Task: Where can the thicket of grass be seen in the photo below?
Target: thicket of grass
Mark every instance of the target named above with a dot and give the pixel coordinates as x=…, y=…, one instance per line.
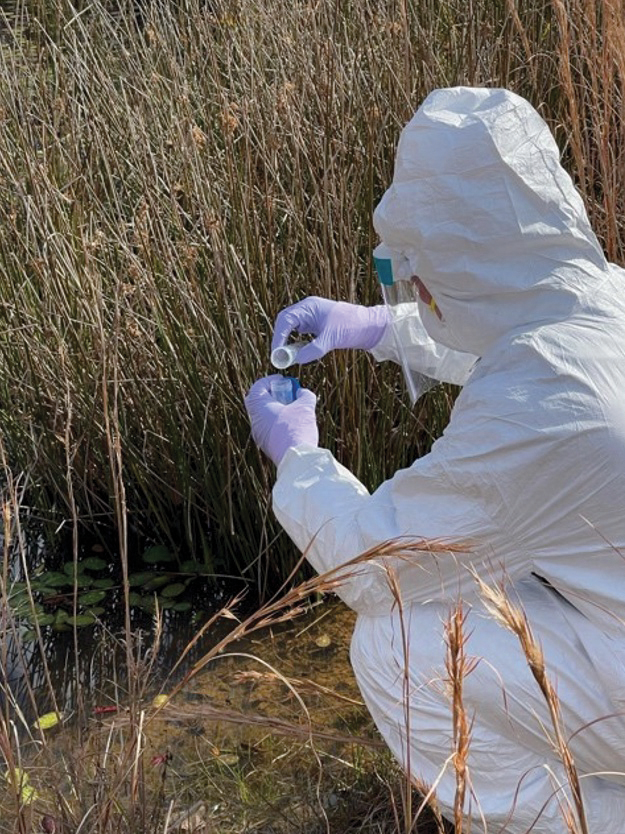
x=166, y=188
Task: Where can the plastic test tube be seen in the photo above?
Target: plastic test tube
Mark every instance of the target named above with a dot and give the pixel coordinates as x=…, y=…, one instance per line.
x=284, y=389
x=286, y=355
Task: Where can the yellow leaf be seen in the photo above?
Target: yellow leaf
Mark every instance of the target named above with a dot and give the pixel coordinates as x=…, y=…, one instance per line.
x=17, y=777
x=160, y=700
x=50, y=719
x=28, y=794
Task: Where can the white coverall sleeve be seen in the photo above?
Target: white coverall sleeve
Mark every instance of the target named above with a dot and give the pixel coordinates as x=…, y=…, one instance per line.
x=421, y=352
x=332, y=518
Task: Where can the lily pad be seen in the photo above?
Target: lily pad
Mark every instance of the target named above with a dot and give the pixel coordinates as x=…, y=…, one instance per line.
x=91, y=597
x=18, y=589
x=94, y=563
x=181, y=606
x=157, y=555
x=173, y=590
x=72, y=568
x=45, y=619
x=81, y=620
x=137, y=579
x=45, y=591
x=145, y=603
x=190, y=566
x=157, y=582
x=105, y=583
x=56, y=580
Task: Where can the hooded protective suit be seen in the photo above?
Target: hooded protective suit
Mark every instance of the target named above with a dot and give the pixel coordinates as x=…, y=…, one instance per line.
x=530, y=472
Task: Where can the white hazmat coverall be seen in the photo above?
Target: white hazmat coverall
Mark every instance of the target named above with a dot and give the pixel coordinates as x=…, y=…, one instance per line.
x=530, y=472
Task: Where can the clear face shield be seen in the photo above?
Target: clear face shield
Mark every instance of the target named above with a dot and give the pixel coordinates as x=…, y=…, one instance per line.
x=401, y=291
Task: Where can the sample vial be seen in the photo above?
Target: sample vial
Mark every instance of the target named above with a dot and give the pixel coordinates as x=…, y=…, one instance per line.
x=284, y=389
x=286, y=355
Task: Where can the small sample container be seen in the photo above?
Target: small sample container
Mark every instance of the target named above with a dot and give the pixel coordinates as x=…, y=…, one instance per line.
x=283, y=357
x=284, y=390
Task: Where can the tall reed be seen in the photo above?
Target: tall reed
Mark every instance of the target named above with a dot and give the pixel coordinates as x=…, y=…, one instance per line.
x=167, y=185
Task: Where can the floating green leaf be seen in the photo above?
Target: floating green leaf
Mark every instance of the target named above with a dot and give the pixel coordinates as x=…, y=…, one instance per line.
x=105, y=582
x=190, y=566
x=157, y=555
x=91, y=597
x=45, y=619
x=157, y=582
x=140, y=578
x=173, y=590
x=72, y=568
x=17, y=589
x=47, y=592
x=81, y=620
x=94, y=563
x=56, y=580
x=181, y=606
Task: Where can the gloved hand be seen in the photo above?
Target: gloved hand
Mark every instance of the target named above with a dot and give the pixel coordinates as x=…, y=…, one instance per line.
x=334, y=324
x=277, y=427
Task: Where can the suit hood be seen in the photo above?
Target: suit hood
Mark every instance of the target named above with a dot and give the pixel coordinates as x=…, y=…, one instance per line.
x=488, y=218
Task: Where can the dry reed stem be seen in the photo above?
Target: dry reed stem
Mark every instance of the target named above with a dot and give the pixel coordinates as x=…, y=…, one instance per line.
x=458, y=667
x=278, y=726
x=514, y=619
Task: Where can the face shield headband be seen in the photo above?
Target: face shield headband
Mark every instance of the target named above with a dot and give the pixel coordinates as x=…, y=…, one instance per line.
x=402, y=291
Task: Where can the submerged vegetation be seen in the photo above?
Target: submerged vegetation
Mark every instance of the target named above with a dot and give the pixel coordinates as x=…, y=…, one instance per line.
x=172, y=173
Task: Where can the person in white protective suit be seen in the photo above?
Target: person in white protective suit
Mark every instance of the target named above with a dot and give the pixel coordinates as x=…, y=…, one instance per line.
x=517, y=303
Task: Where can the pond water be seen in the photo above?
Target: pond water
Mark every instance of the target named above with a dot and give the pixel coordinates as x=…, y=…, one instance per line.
x=270, y=736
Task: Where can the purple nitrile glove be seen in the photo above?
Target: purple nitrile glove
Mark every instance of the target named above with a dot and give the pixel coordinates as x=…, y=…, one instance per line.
x=277, y=427
x=334, y=324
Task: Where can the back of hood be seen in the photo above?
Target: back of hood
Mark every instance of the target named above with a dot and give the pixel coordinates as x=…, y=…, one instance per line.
x=488, y=218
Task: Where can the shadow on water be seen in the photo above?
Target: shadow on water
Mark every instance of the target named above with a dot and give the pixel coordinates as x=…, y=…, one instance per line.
x=90, y=663
x=50, y=662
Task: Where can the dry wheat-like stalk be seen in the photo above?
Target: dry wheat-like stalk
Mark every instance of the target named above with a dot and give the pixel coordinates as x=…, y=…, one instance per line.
x=514, y=619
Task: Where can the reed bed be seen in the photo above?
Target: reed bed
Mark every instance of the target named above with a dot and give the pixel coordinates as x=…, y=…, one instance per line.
x=169, y=180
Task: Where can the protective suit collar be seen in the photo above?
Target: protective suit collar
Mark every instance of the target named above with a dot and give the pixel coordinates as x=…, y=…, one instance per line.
x=488, y=218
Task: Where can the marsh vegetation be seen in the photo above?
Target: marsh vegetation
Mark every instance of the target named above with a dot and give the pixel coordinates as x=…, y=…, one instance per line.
x=167, y=184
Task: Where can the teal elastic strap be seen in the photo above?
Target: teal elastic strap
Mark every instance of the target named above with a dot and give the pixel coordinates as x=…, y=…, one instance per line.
x=384, y=268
